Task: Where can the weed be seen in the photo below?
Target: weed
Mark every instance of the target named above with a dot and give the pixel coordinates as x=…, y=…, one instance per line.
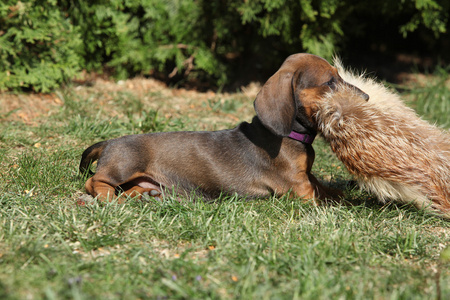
x=223, y=105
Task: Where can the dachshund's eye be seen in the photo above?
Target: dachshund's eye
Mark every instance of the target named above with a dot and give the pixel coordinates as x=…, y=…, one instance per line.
x=331, y=83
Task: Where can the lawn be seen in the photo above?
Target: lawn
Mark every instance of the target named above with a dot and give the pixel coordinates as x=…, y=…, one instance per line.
x=277, y=248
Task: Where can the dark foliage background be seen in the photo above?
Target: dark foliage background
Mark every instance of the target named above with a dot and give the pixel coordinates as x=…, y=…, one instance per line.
x=44, y=43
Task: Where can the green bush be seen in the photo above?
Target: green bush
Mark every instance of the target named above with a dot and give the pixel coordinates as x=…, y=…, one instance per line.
x=43, y=43
x=147, y=36
x=38, y=45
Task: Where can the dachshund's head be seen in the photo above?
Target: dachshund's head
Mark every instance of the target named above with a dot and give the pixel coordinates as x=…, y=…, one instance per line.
x=287, y=100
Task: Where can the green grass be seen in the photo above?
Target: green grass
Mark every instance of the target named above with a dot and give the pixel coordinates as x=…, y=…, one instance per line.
x=432, y=99
x=276, y=248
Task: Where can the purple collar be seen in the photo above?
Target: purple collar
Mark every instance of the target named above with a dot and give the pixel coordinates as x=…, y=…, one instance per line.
x=302, y=137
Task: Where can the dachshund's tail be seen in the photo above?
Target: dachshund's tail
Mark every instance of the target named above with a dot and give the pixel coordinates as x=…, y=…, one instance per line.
x=90, y=155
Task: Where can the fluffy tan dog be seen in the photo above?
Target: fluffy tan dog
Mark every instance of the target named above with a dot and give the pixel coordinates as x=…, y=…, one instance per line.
x=391, y=151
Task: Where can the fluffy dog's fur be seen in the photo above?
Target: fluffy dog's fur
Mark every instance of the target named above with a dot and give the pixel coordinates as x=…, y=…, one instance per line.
x=391, y=151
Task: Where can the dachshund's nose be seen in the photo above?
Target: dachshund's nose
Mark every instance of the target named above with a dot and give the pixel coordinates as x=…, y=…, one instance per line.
x=361, y=93
x=365, y=96
x=358, y=91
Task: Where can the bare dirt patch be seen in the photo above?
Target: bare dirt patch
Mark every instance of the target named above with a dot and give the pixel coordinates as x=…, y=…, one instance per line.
x=209, y=106
x=27, y=107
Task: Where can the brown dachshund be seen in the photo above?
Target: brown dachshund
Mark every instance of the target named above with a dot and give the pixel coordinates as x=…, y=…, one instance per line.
x=272, y=155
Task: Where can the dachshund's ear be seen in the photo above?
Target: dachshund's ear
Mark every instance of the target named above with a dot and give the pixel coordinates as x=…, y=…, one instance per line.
x=275, y=105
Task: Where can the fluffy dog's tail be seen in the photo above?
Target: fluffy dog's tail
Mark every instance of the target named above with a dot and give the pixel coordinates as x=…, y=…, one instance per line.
x=90, y=155
x=392, y=152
